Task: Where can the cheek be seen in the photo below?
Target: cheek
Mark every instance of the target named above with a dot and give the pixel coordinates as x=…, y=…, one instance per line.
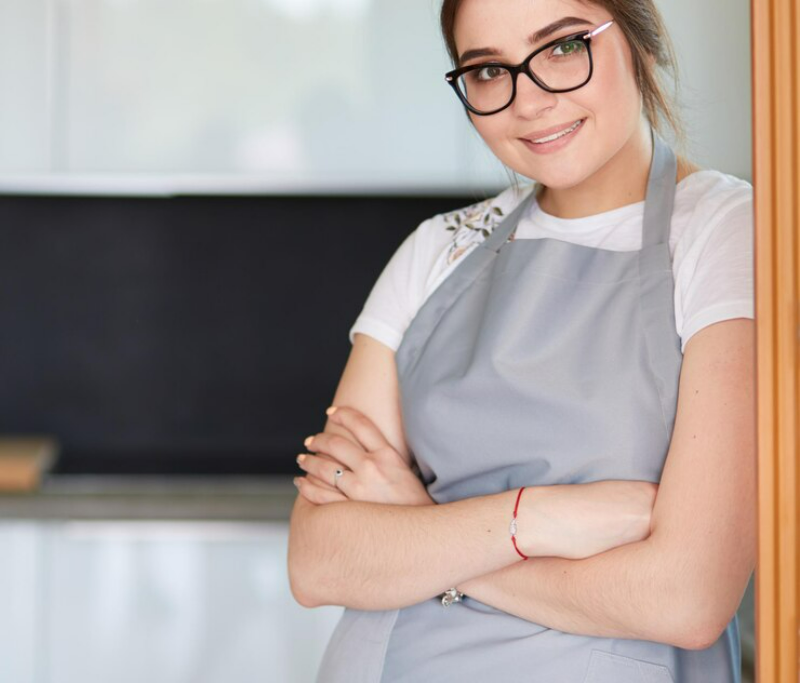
x=493, y=129
x=614, y=86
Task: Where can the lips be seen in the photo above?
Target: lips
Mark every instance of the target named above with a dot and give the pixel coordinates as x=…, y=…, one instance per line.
x=556, y=145
x=539, y=134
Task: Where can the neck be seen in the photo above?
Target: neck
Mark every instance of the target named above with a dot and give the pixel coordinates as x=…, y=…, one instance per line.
x=622, y=181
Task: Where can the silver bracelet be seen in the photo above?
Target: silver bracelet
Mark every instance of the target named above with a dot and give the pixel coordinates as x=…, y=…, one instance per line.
x=450, y=596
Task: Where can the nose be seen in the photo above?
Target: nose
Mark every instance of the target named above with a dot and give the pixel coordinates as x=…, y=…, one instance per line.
x=531, y=99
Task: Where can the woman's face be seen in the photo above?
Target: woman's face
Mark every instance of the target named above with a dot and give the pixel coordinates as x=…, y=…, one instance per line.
x=610, y=102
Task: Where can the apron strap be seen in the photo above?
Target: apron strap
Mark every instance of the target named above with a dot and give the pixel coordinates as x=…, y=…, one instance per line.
x=660, y=193
x=503, y=230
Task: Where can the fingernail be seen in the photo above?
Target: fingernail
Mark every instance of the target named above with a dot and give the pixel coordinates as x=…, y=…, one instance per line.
x=300, y=458
x=331, y=410
x=308, y=441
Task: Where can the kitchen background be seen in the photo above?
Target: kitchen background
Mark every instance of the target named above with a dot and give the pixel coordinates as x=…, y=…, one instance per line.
x=195, y=199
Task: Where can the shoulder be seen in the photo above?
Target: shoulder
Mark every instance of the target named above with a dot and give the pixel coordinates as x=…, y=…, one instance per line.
x=711, y=206
x=451, y=234
x=710, y=192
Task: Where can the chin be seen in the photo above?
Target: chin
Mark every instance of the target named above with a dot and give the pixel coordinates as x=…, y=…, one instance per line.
x=559, y=174
x=552, y=178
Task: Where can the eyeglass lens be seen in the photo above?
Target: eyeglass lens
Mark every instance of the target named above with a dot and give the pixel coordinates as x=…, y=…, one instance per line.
x=563, y=66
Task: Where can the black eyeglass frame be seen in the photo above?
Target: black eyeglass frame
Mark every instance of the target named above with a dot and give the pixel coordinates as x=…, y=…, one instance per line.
x=524, y=67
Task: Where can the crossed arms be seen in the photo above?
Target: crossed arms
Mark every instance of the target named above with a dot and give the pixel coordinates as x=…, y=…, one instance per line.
x=680, y=585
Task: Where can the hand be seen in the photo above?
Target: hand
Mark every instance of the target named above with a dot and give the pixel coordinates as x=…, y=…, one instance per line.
x=575, y=521
x=374, y=471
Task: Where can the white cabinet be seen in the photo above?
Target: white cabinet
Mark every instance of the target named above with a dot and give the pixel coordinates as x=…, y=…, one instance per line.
x=161, y=602
x=20, y=607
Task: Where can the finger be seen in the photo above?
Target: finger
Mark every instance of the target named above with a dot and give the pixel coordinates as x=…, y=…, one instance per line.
x=319, y=481
x=339, y=447
x=316, y=494
x=361, y=426
x=323, y=469
x=322, y=484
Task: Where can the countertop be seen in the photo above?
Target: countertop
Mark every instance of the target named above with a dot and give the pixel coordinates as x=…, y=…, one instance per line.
x=100, y=497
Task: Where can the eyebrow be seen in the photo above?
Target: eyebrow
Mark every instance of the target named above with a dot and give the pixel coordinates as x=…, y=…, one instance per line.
x=534, y=38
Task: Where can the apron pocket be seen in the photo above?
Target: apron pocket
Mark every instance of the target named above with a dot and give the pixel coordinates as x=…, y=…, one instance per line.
x=607, y=667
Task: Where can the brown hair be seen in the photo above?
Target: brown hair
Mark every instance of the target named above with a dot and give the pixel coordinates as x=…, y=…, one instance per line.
x=644, y=29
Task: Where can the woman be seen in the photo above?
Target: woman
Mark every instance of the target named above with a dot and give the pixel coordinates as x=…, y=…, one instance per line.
x=547, y=415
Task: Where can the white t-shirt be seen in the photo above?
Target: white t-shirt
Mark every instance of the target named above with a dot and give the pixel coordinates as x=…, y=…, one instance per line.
x=711, y=243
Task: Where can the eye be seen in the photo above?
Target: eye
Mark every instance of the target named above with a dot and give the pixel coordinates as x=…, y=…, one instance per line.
x=568, y=48
x=488, y=73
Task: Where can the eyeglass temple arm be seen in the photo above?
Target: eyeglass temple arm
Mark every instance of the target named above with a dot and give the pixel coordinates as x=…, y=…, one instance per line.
x=600, y=28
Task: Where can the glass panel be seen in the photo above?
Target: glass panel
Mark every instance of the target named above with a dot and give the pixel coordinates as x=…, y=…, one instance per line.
x=296, y=92
x=24, y=116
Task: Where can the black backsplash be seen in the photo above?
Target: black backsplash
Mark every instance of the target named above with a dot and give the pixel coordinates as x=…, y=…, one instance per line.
x=185, y=335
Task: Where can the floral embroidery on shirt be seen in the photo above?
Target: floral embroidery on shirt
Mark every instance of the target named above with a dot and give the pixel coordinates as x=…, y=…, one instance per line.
x=471, y=225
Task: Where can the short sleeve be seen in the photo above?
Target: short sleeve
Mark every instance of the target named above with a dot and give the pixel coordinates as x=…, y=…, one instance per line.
x=720, y=282
x=392, y=301
x=421, y=263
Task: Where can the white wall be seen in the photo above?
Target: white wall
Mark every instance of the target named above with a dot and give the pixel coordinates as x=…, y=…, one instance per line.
x=712, y=41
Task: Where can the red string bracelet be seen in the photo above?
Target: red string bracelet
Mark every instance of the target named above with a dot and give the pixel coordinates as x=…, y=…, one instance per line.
x=513, y=527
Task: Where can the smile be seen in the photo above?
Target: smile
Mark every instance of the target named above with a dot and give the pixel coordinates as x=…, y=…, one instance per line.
x=554, y=142
x=555, y=136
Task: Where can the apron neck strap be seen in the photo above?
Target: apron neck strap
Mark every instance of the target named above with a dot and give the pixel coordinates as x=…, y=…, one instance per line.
x=503, y=230
x=660, y=193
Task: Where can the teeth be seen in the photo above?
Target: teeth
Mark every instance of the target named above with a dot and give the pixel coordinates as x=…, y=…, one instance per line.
x=555, y=136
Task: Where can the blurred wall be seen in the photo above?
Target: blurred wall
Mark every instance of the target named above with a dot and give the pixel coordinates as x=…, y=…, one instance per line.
x=289, y=95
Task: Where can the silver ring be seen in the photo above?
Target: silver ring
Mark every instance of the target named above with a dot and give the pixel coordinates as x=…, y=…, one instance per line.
x=338, y=473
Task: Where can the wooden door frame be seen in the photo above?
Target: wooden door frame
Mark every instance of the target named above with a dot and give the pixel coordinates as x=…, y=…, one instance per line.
x=775, y=28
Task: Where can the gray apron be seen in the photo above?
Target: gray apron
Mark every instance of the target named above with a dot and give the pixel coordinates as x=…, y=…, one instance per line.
x=535, y=362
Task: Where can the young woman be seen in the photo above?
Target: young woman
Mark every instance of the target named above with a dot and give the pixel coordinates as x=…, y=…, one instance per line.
x=548, y=412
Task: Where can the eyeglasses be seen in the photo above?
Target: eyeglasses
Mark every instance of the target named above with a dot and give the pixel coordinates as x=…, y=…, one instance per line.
x=561, y=65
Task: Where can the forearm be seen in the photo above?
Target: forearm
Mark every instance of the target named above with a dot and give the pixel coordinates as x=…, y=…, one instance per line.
x=376, y=556
x=626, y=592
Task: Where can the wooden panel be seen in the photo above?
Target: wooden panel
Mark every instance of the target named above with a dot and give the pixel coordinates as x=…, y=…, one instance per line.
x=776, y=147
